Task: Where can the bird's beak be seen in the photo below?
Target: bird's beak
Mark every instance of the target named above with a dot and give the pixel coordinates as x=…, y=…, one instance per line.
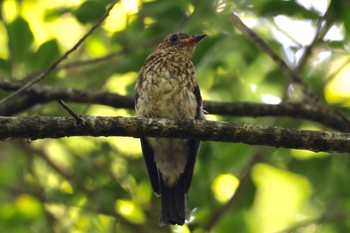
x=194, y=39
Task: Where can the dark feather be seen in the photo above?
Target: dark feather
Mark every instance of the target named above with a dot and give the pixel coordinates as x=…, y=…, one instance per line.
x=174, y=199
x=174, y=203
x=200, y=111
x=148, y=156
x=191, y=160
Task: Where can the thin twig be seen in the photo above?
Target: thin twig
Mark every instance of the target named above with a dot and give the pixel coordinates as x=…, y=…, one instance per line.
x=286, y=33
x=323, y=27
x=79, y=63
x=71, y=112
x=339, y=216
x=241, y=190
x=64, y=56
x=265, y=48
x=244, y=182
x=290, y=74
x=151, y=42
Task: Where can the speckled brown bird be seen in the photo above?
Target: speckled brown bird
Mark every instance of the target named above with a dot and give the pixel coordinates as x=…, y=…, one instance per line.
x=167, y=88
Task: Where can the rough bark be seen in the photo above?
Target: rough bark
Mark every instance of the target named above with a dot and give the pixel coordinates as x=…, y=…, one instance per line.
x=55, y=127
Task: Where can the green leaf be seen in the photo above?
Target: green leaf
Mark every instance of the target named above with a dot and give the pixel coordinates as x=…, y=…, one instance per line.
x=90, y=11
x=170, y=13
x=46, y=54
x=20, y=39
x=290, y=8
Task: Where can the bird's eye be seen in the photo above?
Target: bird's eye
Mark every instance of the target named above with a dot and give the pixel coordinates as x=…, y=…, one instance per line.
x=173, y=38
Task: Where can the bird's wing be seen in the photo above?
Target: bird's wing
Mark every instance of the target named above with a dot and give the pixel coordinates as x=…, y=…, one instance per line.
x=193, y=144
x=148, y=156
x=200, y=110
x=188, y=172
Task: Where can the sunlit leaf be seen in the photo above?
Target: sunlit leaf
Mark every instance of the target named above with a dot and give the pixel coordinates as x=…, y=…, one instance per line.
x=337, y=90
x=130, y=210
x=280, y=195
x=28, y=206
x=224, y=187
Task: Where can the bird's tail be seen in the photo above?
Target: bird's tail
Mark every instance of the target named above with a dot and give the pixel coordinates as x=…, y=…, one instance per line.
x=174, y=204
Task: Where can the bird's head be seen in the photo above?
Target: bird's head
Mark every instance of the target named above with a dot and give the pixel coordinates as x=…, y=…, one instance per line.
x=180, y=43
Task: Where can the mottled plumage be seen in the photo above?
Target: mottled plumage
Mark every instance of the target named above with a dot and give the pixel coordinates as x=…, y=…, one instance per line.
x=167, y=88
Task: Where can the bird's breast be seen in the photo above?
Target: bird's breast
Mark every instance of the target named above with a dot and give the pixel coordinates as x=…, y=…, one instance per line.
x=166, y=90
x=168, y=101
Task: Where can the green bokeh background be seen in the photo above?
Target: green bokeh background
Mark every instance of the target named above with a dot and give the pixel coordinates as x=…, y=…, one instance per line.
x=86, y=184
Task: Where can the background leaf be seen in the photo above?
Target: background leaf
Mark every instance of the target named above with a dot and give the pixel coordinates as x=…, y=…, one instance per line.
x=46, y=54
x=20, y=39
x=90, y=11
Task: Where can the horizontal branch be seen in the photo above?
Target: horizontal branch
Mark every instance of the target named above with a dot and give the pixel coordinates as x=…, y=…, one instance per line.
x=45, y=93
x=55, y=127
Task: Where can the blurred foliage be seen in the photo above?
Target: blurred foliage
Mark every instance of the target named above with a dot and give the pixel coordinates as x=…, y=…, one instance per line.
x=100, y=184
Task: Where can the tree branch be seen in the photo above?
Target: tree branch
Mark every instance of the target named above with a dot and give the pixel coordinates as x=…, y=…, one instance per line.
x=44, y=93
x=56, y=127
x=309, y=96
x=261, y=44
x=244, y=180
x=323, y=26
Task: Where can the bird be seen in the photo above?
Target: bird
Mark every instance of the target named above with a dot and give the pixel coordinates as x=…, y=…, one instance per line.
x=167, y=88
